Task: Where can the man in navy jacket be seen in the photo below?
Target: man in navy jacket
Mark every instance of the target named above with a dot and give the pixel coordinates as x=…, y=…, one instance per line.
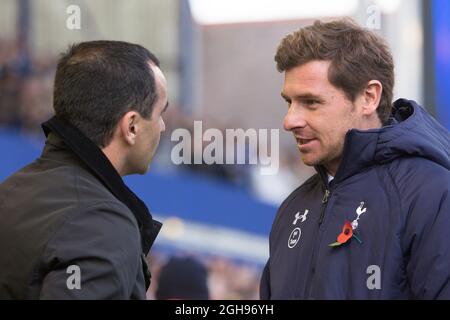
x=374, y=222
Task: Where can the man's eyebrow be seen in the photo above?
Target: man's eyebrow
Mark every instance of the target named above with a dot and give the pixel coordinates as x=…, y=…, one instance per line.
x=285, y=97
x=305, y=96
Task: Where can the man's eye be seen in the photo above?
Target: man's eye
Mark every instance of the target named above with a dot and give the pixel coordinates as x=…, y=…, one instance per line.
x=311, y=103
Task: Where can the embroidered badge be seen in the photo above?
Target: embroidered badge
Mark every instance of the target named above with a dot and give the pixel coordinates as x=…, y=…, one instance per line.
x=295, y=235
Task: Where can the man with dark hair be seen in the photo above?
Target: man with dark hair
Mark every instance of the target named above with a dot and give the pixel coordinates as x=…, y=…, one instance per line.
x=373, y=222
x=69, y=226
x=182, y=278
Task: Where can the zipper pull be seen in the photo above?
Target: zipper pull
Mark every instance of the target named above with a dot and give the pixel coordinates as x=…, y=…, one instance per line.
x=324, y=205
x=326, y=196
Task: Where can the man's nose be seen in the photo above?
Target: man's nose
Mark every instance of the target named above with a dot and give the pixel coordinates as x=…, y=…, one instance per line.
x=294, y=119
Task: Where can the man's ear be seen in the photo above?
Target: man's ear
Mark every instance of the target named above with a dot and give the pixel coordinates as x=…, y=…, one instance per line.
x=128, y=126
x=372, y=96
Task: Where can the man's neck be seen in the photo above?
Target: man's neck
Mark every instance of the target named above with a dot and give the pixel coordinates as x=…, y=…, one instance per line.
x=331, y=168
x=115, y=157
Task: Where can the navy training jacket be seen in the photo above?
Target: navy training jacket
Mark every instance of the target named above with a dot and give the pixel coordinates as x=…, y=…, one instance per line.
x=393, y=187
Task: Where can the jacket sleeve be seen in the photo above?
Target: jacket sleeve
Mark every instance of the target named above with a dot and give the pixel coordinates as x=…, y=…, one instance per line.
x=264, y=287
x=95, y=254
x=426, y=237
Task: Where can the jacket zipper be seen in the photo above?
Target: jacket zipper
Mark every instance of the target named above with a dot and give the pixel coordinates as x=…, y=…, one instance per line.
x=324, y=205
x=325, y=199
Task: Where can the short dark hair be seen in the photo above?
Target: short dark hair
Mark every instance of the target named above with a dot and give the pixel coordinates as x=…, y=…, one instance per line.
x=357, y=56
x=97, y=82
x=183, y=278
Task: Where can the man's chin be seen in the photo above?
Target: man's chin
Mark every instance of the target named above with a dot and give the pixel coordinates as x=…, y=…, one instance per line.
x=309, y=160
x=144, y=170
x=141, y=170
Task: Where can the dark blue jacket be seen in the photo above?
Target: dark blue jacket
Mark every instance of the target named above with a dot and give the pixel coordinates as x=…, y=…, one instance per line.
x=396, y=179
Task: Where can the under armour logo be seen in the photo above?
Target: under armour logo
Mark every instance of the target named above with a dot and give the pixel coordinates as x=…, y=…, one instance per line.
x=301, y=217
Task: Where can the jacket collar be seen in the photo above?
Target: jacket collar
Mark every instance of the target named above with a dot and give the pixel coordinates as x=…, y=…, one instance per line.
x=410, y=132
x=362, y=147
x=102, y=168
x=358, y=154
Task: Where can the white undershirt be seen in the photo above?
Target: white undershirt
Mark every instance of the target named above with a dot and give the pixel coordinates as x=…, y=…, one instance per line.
x=330, y=177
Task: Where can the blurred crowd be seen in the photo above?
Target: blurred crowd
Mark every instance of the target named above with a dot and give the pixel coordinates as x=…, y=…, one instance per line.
x=271, y=188
x=25, y=86
x=226, y=279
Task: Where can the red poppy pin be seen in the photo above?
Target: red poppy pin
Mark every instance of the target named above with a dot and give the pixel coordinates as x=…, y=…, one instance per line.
x=346, y=234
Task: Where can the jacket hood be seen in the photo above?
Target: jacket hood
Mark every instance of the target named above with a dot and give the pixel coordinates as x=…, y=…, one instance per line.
x=411, y=132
